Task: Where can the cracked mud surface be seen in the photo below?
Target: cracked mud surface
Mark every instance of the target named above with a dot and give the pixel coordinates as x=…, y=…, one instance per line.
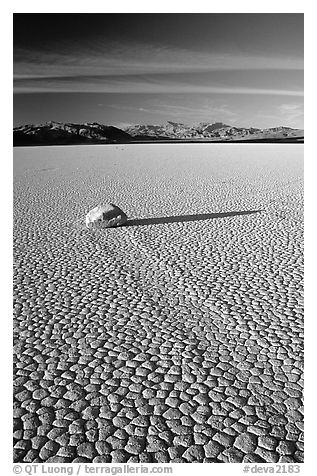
x=167, y=342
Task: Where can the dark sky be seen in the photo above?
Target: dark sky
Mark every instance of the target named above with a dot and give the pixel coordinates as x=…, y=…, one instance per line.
x=243, y=69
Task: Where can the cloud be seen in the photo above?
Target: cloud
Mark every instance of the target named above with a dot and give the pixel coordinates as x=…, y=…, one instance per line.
x=296, y=109
x=108, y=59
x=137, y=85
x=291, y=112
x=99, y=67
x=286, y=114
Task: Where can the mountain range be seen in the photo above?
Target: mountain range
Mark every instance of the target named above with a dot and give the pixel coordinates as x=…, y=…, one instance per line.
x=56, y=133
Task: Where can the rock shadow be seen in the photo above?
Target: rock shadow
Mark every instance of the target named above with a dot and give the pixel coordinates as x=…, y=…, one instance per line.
x=186, y=218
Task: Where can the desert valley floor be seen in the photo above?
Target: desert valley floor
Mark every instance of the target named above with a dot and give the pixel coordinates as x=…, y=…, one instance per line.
x=177, y=338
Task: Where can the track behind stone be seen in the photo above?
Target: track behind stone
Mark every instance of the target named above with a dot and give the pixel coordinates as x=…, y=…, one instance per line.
x=165, y=341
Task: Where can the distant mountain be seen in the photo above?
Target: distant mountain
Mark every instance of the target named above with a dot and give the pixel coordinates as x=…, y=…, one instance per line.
x=56, y=133
x=210, y=131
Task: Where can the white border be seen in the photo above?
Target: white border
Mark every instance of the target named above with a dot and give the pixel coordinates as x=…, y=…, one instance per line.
x=163, y=6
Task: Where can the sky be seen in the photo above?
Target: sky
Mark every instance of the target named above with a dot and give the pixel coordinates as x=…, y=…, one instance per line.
x=121, y=69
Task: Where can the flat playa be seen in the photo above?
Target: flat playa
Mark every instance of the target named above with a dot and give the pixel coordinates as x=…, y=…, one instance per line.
x=176, y=339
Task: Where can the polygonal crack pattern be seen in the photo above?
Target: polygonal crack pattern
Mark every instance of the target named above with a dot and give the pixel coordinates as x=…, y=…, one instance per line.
x=173, y=342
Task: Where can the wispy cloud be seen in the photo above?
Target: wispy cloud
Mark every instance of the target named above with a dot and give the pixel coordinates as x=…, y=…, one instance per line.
x=291, y=109
x=137, y=85
x=138, y=58
x=287, y=114
x=116, y=67
x=291, y=112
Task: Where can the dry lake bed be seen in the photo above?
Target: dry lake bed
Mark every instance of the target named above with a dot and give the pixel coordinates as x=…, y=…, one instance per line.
x=178, y=338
